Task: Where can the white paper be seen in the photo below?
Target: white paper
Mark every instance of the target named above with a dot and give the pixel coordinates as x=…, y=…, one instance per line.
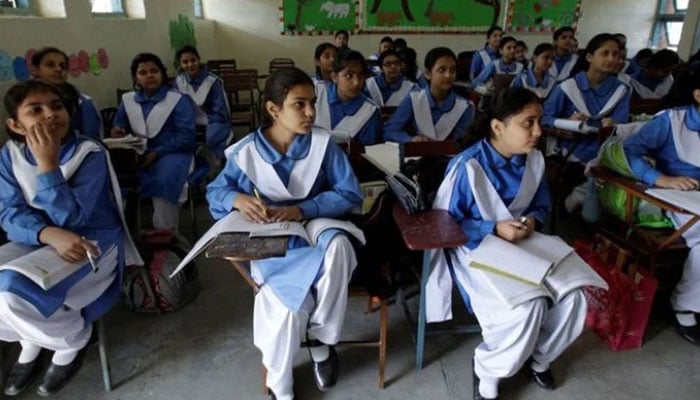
x=574, y=126
x=688, y=200
x=509, y=258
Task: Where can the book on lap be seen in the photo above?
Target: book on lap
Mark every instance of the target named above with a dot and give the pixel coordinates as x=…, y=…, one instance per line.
x=260, y=237
x=685, y=199
x=539, y=266
x=43, y=265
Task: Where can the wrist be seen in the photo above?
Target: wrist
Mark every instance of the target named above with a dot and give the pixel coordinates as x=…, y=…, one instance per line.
x=47, y=166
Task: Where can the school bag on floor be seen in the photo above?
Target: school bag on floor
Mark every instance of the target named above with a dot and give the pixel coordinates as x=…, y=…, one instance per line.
x=149, y=288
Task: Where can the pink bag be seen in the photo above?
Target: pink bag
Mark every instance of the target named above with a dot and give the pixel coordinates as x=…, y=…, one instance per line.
x=619, y=315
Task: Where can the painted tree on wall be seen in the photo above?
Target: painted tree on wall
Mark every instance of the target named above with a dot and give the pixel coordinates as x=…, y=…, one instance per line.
x=496, y=9
x=297, y=18
x=404, y=6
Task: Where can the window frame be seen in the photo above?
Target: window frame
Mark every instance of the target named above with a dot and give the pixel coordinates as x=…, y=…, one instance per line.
x=198, y=9
x=21, y=8
x=116, y=4
x=662, y=19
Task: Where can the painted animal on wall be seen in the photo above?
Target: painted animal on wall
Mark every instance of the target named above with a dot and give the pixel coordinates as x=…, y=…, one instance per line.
x=336, y=10
x=388, y=18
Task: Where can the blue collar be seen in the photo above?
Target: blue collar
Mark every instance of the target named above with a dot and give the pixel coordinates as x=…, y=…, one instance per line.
x=692, y=118
x=641, y=77
x=566, y=58
x=297, y=151
x=382, y=82
x=351, y=106
x=606, y=87
x=492, y=52
x=446, y=105
x=197, y=80
x=140, y=96
x=496, y=160
x=510, y=67
x=532, y=81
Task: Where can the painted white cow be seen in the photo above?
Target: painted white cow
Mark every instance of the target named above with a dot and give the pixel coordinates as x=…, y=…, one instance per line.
x=336, y=10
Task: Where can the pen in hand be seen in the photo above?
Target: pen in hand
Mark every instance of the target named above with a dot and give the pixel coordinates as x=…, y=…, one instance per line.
x=91, y=258
x=257, y=196
x=523, y=221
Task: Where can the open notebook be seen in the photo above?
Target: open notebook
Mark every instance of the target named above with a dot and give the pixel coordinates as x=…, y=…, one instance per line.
x=539, y=266
x=685, y=199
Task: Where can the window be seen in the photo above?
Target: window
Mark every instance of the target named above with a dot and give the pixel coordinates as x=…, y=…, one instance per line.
x=198, y=9
x=15, y=7
x=669, y=24
x=107, y=7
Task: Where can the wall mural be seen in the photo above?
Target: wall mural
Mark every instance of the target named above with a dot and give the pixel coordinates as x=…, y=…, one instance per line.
x=542, y=16
x=181, y=31
x=80, y=63
x=309, y=17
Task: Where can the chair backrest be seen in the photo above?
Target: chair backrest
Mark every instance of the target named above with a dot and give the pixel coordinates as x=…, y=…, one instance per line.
x=447, y=147
x=107, y=115
x=464, y=64
x=387, y=112
x=645, y=106
x=120, y=92
x=218, y=67
x=277, y=63
x=501, y=82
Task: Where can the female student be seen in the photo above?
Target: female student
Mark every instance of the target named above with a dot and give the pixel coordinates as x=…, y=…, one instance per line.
x=324, y=55
x=672, y=139
x=536, y=77
x=594, y=96
x=56, y=190
x=506, y=64
x=341, y=106
x=496, y=187
x=521, y=53
x=167, y=119
x=488, y=54
x=51, y=65
x=654, y=81
x=565, y=58
x=207, y=91
x=435, y=112
x=388, y=88
x=289, y=171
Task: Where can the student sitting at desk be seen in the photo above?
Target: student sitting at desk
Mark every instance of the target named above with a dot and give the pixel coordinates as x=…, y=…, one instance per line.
x=167, y=119
x=496, y=187
x=654, y=81
x=300, y=174
x=207, y=91
x=342, y=108
x=435, y=112
x=565, y=58
x=388, y=88
x=593, y=96
x=386, y=43
x=324, y=56
x=672, y=139
x=51, y=65
x=536, y=77
x=488, y=53
x=506, y=64
x=56, y=190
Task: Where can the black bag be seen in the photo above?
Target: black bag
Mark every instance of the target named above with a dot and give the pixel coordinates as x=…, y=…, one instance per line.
x=407, y=192
x=416, y=186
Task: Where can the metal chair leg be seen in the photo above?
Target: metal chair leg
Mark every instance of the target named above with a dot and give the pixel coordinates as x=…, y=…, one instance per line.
x=104, y=360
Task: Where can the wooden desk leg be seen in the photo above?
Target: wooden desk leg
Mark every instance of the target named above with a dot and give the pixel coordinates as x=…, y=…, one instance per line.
x=420, y=340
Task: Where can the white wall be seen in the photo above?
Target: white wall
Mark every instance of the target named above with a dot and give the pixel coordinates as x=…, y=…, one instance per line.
x=248, y=30
x=121, y=37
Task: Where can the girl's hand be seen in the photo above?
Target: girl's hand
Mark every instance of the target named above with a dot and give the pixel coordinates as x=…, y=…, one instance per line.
x=607, y=122
x=43, y=143
x=677, y=182
x=288, y=213
x=512, y=230
x=579, y=116
x=70, y=246
x=148, y=159
x=117, y=132
x=252, y=209
x=419, y=138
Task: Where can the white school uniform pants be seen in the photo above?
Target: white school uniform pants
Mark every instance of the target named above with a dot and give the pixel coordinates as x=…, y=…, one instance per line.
x=511, y=336
x=166, y=215
x=686, y=295
x=65, y=329
x=278, y=332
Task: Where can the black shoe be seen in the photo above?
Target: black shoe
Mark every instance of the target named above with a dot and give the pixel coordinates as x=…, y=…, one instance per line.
x=58, y=376
x=273, y=397
x=21, y=375
x=689, y=333
x=326, y=371
x=475, y=385
x=545, y=379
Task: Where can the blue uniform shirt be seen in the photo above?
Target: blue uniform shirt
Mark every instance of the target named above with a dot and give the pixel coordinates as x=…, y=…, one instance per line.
x=385, y=88
x=367, y=134
x=395, y=128
x=529, y=76
x=87, y=119
x=505, y=176
x=655, y=139
x=490, y=70
x=478, y=64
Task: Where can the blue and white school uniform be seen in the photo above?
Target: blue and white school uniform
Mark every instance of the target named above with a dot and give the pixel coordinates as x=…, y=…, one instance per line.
x=562, y=66
x=482, y=187
x=648, y=88
x=611, y=99
x=82, y=196
x=526, y=79
x=304, y=292
x=497, y=66
x=448, y=120
x=207, y=91
x=87, y=118
x=481, y=59
x=387, y=95
x=672, y=139
x=356, y=119
x=167, y=120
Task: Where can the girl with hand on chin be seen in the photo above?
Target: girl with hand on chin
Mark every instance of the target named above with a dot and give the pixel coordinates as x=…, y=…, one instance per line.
x=496, y=186
x=289, y=170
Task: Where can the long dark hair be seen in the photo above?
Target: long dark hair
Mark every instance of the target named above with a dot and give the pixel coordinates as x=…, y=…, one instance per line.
x=320, y=49
x=594, y=44
x=408, y=56
x=144, y=58
x=20, y=91
x=508, y=102
x=278, y=86
x=681, y=93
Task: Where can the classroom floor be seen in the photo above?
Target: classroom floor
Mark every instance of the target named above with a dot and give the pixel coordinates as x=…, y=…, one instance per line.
x=205, y=351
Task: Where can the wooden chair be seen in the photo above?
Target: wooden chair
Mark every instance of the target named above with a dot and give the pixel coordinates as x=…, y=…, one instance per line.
x=501, y=82
x=277, y=63
x=386, y=113
x=120, y=92
x=220, y=67
x=645, y=106
x=446, y=147
x=241, y=87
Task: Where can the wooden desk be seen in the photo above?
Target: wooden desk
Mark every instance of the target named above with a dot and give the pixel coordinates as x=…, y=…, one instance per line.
x=426, y=231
